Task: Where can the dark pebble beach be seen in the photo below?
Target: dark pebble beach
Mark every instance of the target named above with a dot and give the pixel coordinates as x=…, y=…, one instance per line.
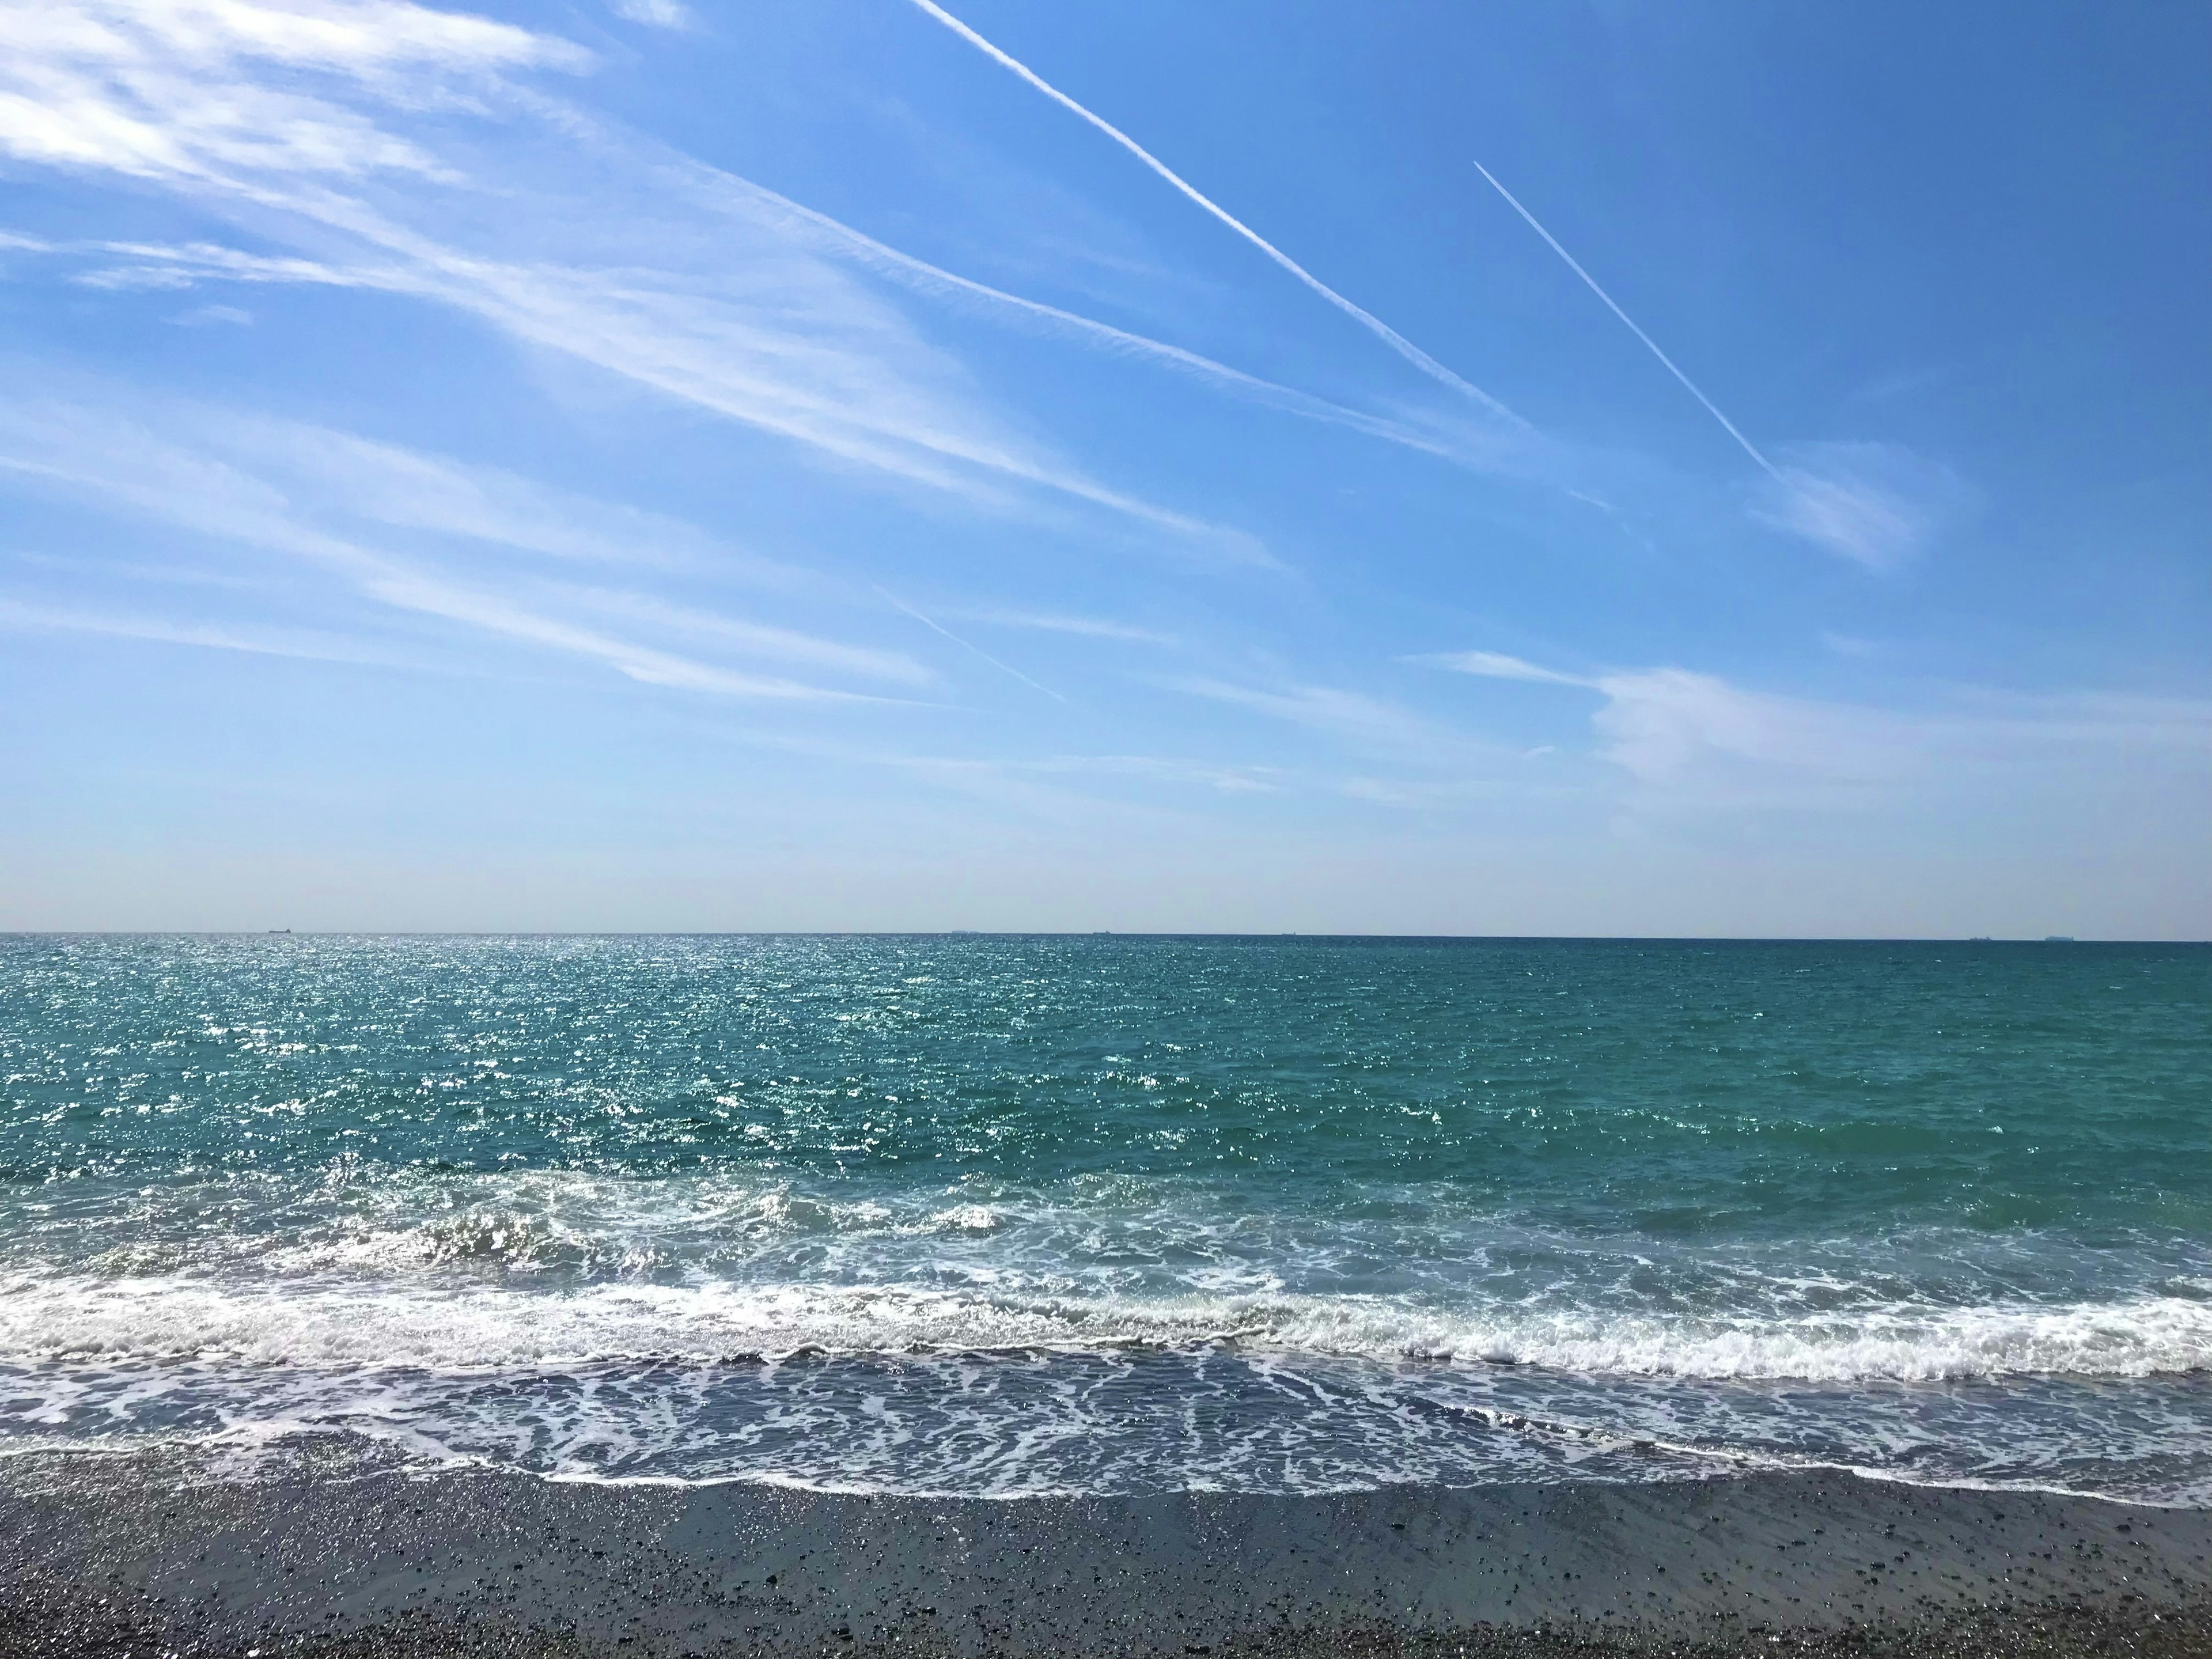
x=149, y=1555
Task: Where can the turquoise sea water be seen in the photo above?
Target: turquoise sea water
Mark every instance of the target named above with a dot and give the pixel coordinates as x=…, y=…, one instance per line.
x=998, y=1215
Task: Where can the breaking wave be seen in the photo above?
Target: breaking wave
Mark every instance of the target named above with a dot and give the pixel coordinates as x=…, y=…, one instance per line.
x=473, y=1327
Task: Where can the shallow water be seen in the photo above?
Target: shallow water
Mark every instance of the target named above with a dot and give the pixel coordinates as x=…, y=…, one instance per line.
x=1001, y=1215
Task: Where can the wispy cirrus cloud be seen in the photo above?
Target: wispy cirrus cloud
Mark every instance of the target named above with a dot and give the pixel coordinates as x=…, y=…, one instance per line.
x=1878, y=505
x=1666, y=726
x=213, y=315
x=655, y=14
x=1244, y=780
x=496, y=612
x=205, y=90
x=1095, y=628
x=1385, y=752
x=334, y=503
x=1509, y=448
x=250, y=470
x=357, y=131
x=713, y=291
x=1364, y=723
x=1503, y=442
x=758, y=639
x=309, y=645
x=1496, y=665
x=1697, y=739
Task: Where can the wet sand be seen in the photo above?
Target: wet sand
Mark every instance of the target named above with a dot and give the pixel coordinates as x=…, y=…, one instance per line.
x=144, y=1555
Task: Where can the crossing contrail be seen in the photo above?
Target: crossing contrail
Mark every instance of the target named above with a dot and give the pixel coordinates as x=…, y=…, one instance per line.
x=1382, y=330
x=1573, y=264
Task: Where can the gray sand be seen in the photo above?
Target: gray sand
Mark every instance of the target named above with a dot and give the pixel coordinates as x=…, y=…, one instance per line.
x=144, y=1555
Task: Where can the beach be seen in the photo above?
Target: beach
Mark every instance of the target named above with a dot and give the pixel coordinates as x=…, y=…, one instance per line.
x=1093, y=830
x=341, y=1554
x=639, y=1296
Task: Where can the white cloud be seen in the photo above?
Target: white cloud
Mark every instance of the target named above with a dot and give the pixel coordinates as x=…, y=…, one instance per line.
x=249, y=475
x=120, y=279
x=201, y=316
x=758, y=639
x=654, y=14
x=185, y=88
x=1495, y=447
x=258, y=642
x=1229, y=779
x=411, y=590
x=665, y=335
x=1695, y=743
x=1663, y=726
x=1675, y=732
x=360, y=133
x=1365, y=723
x=1054, y=623
x=700, y=284
x=1687, y=739
x=160, y=265
x=1493, y=664
x=406, y=488
x=333, y=500
x=1878, y=505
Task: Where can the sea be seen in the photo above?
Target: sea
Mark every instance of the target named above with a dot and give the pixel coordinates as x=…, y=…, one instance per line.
x=1001, y=1216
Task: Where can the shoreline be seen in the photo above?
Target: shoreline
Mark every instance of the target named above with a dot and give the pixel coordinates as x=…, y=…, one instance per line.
x=337, y=1552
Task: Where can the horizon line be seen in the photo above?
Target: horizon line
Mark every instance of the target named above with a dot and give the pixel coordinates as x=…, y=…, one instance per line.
x=1074, y=932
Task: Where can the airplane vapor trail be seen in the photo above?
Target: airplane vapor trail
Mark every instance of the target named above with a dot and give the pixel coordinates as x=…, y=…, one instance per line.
x=931, y=278
x=1390, y=336
x=1575, y=265
x=969, y=645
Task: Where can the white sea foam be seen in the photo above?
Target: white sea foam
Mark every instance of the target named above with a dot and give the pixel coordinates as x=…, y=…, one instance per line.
x=466, y=1326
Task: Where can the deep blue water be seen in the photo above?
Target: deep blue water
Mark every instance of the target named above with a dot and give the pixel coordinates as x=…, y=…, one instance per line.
x=1005, y=1214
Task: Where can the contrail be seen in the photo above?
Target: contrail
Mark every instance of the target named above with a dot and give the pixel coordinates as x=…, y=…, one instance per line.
x=1004, y=668
x=1713, y=409
x=934, y=279
x=1382, y=330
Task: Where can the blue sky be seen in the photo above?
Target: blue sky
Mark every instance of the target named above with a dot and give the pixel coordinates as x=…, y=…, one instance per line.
x=862, y=466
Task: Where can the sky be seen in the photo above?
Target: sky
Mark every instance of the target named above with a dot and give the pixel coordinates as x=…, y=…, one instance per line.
x=1258, y=466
